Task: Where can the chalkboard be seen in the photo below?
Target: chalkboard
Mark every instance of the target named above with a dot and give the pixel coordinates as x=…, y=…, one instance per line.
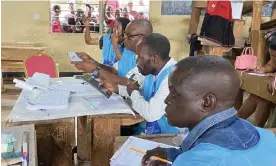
x=184, y=7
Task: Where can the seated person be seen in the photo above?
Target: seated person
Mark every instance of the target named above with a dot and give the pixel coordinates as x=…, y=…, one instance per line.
x=135, y=30
x=217, y=137
x=153, y=60
x=260, y=106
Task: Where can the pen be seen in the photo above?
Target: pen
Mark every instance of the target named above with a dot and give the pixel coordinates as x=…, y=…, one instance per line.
x=154, y=157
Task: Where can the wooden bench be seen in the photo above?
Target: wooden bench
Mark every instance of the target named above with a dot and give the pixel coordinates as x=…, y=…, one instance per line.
x=13, y=55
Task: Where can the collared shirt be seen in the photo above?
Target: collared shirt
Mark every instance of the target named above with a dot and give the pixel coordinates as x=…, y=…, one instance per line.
x=222, y=129
x=155, y=108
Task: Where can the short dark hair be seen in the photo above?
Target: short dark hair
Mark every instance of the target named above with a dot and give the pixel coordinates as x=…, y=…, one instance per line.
x=123, y=21
x=226, y=86
x=157, y=45
x=272, y=44
x=56, y=8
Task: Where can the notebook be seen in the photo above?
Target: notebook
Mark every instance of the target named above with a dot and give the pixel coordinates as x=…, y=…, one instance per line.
x=46, y=99
x=126, y=157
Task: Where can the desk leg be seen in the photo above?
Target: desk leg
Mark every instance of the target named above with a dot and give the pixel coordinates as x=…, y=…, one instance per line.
x=54, y=144
x=104, y=132
x=84, y=141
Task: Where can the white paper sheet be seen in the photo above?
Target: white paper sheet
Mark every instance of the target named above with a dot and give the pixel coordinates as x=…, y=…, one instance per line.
x=126, y=157
x=256, y=74
x=76, y=107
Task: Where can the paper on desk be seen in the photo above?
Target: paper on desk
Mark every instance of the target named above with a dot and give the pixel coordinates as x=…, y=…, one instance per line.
x=100, y=103
x=256, y=74
x=74, y=87
x=76, y=108
x=126, y=157
x=39, y=79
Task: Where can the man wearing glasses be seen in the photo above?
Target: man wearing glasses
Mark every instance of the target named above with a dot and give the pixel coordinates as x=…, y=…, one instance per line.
x=134, y=32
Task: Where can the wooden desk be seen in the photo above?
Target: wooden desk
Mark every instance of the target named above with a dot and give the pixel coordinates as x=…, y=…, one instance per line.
x=256, y=85
x=96, y=136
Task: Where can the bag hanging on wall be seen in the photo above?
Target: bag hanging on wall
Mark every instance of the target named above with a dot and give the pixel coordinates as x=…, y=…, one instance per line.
x=246, y=61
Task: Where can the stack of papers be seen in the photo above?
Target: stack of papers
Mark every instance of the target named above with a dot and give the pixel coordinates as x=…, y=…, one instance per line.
x=47, y=99
x=39, y=95
x=103, y=105
x=127, y=157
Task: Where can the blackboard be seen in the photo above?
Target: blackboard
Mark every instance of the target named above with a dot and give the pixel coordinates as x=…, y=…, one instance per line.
x=184, y=7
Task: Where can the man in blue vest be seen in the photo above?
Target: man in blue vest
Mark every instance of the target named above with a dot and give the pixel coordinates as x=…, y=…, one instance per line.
x=135, y=30
x=202, y=94
x=155, y=63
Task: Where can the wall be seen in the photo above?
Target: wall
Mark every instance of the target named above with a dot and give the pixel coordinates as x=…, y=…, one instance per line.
x=18, y=25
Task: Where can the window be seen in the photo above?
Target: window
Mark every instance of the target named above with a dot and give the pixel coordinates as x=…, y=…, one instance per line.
x=67, y=16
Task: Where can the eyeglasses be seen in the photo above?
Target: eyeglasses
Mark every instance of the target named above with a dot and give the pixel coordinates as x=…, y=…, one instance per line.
x=126, y=37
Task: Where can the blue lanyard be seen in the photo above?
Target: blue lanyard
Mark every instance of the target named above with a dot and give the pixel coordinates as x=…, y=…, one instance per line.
x=153, y=88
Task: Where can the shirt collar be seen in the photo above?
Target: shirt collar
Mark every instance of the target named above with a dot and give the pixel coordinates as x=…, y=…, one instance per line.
x=168, y=64
x=206, y=124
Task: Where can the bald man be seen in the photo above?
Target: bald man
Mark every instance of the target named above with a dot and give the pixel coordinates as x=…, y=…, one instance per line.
x=135, y=30
x=202, y=96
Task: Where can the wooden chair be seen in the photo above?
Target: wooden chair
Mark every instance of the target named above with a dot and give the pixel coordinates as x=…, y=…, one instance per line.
x=41, y=63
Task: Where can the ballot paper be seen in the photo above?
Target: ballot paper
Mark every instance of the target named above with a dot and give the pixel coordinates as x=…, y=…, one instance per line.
x=101, y=104
x=46, y=99
x=39, y=80
x=126, y=157
x=74, y=57
x=256, y=74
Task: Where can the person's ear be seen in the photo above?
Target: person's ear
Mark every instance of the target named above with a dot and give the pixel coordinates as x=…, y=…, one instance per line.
x=209, y=102
x=155, y=58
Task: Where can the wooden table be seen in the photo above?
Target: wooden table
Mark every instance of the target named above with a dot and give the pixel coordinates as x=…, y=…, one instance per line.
x=256, y=85
x=96, y=136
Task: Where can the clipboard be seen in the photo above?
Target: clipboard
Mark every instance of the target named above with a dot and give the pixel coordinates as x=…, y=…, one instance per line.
x=91, y=81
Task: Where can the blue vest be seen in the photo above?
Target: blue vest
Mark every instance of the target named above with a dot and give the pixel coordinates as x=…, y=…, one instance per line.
x=263, y=153
x=149, y=89
x=108, y=53
x=126, y=63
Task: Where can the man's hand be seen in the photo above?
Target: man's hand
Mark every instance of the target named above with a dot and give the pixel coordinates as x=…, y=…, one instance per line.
x=86, y=21
x=110, y=86
x=260, y=70
x=271, y=86
x=84, y=56
x=132, y=86
x=86, y=66
x=158, y=152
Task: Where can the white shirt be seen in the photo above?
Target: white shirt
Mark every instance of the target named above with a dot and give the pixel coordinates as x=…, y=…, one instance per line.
x=155, y=108
x=135, y=75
